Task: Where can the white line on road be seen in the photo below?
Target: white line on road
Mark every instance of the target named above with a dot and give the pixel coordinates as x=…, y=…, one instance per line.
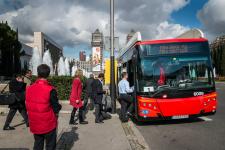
x=205, y=118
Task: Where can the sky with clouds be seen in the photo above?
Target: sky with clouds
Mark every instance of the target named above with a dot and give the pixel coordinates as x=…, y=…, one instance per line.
x=71, y=22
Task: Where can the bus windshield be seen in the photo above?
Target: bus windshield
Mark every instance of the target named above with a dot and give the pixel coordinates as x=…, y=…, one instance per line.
x=174, y=72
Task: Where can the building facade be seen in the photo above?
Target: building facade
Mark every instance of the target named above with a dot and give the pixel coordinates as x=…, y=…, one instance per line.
x=44, y=43
x=82, y=56
x=97, y=43
x=84, y=65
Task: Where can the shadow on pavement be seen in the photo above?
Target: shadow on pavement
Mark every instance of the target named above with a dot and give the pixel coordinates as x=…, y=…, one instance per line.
x=67, y=139
x=167, y=122
x=17, y=125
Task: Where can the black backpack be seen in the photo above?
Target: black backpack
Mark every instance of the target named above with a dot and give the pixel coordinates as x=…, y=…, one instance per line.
x=7, y=98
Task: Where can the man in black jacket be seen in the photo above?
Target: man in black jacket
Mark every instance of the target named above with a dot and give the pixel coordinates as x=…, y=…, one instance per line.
x=18, y=87
x=89, y=90
x=97, y=89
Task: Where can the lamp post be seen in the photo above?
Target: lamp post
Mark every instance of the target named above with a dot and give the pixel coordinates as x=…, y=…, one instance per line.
x=112, y=62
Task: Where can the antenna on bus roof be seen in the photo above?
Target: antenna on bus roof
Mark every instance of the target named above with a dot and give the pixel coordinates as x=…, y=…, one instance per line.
x=135, y=38
x=193, y=33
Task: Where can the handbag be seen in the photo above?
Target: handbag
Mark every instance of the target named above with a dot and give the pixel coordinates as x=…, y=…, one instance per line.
x=7, y=98
x=107, y=103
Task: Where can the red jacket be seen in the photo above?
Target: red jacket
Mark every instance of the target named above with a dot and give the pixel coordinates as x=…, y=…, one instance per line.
x=42, y=119
x=76, y=92
x=162, y=77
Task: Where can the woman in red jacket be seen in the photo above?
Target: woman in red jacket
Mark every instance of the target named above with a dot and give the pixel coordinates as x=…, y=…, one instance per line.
x=75, y=98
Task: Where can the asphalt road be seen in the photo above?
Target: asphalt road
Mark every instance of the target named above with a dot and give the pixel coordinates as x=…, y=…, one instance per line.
x=197, y=134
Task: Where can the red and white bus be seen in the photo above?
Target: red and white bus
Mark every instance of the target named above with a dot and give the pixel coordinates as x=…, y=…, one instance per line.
x=173, y=78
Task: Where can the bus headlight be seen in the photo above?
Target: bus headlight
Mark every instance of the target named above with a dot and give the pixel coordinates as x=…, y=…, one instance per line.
x=214, y=99
x=145, y=112
x=144, y=104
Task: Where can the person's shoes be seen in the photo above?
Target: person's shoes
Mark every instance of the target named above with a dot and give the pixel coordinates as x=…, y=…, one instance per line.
x=83, y=122
x=72, y=122
x=8, y=128
x=99, y=121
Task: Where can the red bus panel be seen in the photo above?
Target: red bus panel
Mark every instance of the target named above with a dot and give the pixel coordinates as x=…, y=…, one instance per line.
x=150, y=107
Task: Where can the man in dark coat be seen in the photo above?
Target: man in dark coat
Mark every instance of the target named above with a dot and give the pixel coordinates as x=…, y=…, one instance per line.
x=97, y=90
x=18, y=87
x=89, y=90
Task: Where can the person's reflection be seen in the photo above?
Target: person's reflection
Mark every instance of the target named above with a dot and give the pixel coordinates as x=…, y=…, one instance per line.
x=182, y=76
x=161, y=72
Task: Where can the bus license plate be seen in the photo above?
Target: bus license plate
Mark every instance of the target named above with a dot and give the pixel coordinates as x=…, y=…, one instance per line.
x=180, y=117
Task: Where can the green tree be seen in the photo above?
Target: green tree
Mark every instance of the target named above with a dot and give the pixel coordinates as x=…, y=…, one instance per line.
x=222, y=59
x=10, y=51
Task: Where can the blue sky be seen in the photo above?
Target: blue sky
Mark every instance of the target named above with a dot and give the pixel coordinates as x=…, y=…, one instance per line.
x=187, y=16
x=74, y=52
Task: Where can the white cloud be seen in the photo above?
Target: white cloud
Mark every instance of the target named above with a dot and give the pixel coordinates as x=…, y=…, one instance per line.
x=71, y=22
x=213, y=18
x=167, y=30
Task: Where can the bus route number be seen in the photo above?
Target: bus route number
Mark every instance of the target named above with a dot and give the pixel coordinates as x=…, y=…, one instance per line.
x=198, y=93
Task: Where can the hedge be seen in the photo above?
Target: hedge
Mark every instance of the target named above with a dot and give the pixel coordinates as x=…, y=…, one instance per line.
x=62, y=85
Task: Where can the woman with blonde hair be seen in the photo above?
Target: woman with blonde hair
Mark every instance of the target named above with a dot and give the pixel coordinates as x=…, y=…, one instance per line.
x=75, y=98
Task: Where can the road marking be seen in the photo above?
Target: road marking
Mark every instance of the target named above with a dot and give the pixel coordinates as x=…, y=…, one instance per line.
x=205, y=118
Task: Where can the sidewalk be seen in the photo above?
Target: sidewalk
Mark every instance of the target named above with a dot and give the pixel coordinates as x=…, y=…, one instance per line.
x=109, y=135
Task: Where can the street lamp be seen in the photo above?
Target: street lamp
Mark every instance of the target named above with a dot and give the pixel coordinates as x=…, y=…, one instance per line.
x=112, y=62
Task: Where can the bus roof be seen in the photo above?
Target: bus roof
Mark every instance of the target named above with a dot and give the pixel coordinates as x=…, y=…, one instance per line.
x=175, y=40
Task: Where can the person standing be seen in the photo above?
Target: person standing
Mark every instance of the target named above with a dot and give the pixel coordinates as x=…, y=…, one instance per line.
x=97, y=90
x=18, y=87
x=27, y=77
x=89, y=90
x=124, y=91
x=43, y=108
x=76, y=98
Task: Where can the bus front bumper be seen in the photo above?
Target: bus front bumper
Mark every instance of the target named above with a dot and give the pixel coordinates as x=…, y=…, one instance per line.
x=161, y=118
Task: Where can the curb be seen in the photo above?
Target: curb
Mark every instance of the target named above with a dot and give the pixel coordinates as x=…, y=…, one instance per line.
x=139, y=136
x=4, y=111
x=135, y=138
x=4, y=108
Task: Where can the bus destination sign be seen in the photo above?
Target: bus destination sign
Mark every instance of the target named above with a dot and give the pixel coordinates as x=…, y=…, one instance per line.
x=174, y=48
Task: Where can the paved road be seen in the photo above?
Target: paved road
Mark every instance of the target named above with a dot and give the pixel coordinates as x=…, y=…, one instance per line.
x=189, y=135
